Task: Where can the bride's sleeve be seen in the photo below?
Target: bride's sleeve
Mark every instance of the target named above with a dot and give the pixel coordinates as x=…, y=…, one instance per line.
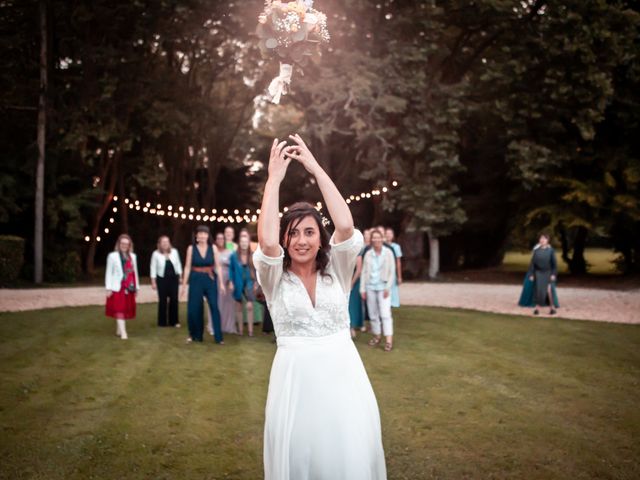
x=268, y=271
x=343, y=257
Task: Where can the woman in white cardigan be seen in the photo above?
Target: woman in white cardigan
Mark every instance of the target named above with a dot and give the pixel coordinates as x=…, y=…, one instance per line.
x=122, y=284
x=166, y=275
x=377, y=278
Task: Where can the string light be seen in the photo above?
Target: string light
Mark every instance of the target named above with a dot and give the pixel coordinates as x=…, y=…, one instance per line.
x=250, y=216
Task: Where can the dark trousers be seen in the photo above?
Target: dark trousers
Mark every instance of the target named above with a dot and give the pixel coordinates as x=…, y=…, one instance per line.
x=201, y=285
x=267, y=322
x=167, y=290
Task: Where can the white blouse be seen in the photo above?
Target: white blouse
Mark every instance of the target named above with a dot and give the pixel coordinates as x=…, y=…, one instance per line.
x=289, y=303
x=158, y=262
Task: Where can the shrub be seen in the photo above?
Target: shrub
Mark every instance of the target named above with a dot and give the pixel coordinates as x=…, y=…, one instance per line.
x=11, y=258
x=62, y=267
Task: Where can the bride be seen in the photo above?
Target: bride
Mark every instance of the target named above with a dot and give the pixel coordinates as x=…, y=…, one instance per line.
x=322, y=420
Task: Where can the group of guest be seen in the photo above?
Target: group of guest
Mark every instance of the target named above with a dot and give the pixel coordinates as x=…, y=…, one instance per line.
x=220, y=273
x=223, y=274
x=374, y=286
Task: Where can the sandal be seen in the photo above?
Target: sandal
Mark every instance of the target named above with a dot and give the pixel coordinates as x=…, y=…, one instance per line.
x=388, y=347
x=374, y=342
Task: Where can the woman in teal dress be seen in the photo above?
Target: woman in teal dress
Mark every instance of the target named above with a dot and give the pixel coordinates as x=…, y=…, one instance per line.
x=356, y=309
x=203, y=273
x=539, y=289
x=242, y=274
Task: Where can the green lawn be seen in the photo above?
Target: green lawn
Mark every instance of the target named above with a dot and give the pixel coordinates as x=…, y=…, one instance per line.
x=600, y=261
x=464, y=395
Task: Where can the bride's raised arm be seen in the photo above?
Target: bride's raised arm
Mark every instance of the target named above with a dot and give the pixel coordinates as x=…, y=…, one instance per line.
x=338, y=208
x=269, y=221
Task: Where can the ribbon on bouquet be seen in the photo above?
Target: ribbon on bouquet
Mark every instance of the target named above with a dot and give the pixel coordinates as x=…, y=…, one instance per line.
x=280, y=85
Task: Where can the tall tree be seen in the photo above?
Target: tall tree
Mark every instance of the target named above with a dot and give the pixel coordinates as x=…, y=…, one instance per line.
x=42, y=131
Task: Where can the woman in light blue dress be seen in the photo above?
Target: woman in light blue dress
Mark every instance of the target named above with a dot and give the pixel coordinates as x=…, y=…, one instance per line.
x=395, y=291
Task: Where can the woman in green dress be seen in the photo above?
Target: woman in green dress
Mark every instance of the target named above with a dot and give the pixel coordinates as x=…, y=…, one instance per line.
x=539, y=289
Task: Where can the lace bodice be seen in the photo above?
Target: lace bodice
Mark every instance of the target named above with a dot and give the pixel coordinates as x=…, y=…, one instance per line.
x=291, y=309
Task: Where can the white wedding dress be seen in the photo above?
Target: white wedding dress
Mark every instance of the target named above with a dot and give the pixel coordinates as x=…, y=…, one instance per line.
x=322, y=420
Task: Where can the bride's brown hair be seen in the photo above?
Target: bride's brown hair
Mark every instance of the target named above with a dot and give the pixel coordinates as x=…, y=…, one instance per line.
x=290, y=220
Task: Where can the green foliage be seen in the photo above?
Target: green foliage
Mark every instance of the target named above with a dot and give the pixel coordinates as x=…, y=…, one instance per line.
x=148, y=98
x=11, y=259
x=497, y=118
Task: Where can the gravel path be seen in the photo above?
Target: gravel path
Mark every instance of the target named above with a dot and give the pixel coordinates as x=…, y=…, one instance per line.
x=577, y=303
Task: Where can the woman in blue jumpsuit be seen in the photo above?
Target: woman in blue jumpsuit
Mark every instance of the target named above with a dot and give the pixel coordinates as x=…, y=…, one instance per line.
x=202, y=272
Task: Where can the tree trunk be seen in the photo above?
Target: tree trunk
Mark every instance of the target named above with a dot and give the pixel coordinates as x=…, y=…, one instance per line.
x=578, y=265
x=434, y=256
x=42, y=129
x=106, y=201
x=576, y=262
x=565, y=245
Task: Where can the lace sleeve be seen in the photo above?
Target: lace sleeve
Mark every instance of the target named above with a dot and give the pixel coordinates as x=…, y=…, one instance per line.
x=268, y=271
x=343, y=257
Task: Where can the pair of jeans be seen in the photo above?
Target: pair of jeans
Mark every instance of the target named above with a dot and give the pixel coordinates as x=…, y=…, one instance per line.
x=379, y=309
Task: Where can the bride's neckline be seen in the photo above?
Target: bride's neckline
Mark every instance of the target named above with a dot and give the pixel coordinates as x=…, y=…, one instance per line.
x=312, y=300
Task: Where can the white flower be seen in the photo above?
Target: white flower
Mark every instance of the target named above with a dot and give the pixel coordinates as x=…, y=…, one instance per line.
x=311, y=19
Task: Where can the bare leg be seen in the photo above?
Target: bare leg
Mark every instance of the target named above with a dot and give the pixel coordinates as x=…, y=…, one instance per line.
x=250, y=317
x=239, y=319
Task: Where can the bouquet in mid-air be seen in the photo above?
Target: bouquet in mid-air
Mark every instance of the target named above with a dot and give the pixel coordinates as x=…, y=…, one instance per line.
x=292, y=32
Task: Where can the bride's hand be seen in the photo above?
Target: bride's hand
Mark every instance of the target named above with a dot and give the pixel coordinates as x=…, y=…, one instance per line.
x=278, y=162
x=302, y=154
